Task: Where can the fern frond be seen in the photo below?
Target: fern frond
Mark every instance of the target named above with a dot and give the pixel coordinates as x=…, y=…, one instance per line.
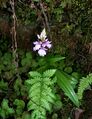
x=40, y=93
x=84, y=84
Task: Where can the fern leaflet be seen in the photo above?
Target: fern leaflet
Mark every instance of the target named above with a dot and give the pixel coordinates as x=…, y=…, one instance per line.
x=84, y=84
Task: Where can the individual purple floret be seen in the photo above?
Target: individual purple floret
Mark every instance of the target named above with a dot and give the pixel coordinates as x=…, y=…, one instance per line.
x=42, y=52
x=37, y=45
x=47, y=44
x=43, y=44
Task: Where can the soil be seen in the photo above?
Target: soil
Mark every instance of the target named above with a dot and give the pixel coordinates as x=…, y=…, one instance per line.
x=87, y=106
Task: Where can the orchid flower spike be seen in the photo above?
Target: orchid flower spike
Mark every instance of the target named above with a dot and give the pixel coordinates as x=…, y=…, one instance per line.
x=43, y=44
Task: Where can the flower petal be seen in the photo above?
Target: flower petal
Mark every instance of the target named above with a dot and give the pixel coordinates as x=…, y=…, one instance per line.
x=42, y=52
x=47, y=44
x=36, y=42
x=37, y=47
x=38, y=36
x=42, y=36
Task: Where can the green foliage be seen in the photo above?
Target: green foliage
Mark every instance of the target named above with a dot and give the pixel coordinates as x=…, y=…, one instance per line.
x=49, y=62
x=6, y=66
x=27, y=59
x=5, y=110
x=58, y=13
x=65, y=85
x=26, y=115
x=55, y=116
x=19, y=88
x=20, y=104
x=25, y=13
x=68, y=70
x=40, y=93
x=49, y=73
x=58, y=104
x=3, y=85
x=85, y=82
x=36, y=0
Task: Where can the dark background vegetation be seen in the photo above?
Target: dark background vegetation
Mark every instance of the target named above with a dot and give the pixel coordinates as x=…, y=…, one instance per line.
x=69, y=27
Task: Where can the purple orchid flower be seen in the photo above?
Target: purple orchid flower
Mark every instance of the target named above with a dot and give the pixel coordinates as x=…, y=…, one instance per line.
x=43, y=44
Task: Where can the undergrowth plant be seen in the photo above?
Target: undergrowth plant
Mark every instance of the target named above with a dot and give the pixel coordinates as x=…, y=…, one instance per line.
x=40, y=93
x=20, y=104
x=5, y=109
x=85, y=83
x=66, y=83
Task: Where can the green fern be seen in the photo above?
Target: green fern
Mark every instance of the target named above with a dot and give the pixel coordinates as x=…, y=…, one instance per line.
x=84, y=84
x=40, y=93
